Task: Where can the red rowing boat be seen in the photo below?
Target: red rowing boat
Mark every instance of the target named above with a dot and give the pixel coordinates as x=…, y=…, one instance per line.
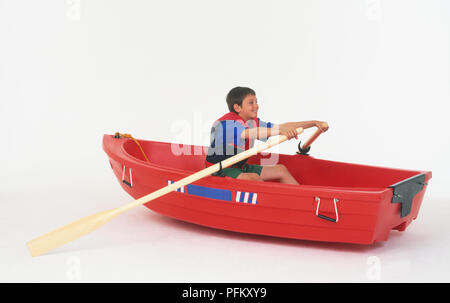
x=336, y=202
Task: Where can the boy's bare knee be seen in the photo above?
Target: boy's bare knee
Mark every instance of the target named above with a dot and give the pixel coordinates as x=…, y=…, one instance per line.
x=282, y=167
x=250, y=176
x=254, y=177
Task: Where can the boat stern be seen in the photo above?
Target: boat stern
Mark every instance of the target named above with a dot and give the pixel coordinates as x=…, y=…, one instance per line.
x=400, y=205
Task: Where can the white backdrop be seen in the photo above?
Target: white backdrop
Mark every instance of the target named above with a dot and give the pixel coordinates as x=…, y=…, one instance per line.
x=377, y=71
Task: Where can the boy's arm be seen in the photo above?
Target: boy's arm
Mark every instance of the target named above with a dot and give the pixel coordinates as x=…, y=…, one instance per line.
x=260, y=132
x=304, y=124
x=288, y=129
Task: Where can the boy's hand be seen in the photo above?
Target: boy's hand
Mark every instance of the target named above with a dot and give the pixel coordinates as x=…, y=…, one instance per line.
x=322, y=125
x=289, y=133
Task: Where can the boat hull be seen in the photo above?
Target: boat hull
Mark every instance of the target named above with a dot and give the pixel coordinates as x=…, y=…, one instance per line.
x=336, y=202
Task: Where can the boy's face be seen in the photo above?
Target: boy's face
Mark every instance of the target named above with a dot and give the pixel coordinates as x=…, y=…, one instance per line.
x=249, y=108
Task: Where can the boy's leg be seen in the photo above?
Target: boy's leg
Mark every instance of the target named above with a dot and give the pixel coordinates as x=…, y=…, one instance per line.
x=239, y=174
x=249, y=176
x=278, y=172
x=251, y=172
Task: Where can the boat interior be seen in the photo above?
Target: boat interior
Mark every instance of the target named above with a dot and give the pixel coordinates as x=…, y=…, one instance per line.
x=306, y=169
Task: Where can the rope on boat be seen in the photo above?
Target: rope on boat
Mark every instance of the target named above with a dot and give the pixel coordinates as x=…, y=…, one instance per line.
x=118, y=135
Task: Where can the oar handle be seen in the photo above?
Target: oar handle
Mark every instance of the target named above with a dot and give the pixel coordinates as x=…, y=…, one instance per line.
x=323, y=128
x=312, y=139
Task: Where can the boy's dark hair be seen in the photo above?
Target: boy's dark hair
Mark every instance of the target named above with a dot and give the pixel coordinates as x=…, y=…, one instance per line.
x=237, y=95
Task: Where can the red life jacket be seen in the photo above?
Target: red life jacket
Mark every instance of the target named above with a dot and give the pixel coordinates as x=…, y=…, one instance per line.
x=235, y=117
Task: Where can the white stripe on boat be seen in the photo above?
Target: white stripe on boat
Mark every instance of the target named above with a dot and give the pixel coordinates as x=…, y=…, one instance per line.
x=180, y=189
x=254, y=198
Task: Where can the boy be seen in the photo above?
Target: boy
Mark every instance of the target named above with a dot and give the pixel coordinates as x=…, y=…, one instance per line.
x=236, y=131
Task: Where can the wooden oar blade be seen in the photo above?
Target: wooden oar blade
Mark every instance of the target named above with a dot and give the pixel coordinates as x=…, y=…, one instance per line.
x=70, y=232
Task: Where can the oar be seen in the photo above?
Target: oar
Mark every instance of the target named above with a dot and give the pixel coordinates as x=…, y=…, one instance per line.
x=88, y=224
x=314, y=136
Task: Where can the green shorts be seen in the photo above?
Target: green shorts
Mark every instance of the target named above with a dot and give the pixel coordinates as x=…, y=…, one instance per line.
x=234, y=172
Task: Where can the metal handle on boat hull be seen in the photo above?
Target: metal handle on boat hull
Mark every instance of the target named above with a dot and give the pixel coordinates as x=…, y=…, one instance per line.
x=130, y=184
x=326, y=217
